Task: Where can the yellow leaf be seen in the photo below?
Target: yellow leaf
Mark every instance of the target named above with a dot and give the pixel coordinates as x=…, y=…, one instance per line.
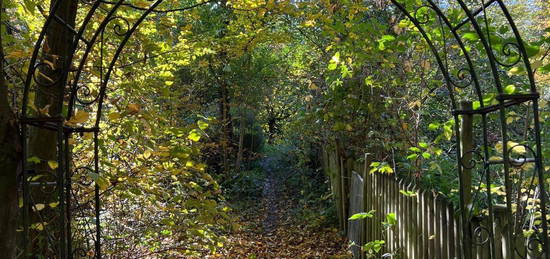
x=516, y=148
x=495, y=158
x=53, y=164
x=194, y=135
x=133, y=108
x=114, y=116
x=39, y=207
x=16, y=54
x=147, y=154
x=309, y=23
x=79, y=117
x=202, y=125
x=38, y=226
x=313, y=86
x=513, y=147
x=53, y=204
x=45, y=110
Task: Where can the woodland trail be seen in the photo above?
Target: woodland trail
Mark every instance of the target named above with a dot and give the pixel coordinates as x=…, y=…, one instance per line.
x=270, y=229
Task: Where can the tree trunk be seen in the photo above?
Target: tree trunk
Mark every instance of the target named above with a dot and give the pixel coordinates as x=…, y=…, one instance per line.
x=49, y=96
x=227, y=125
x=241, y=140
x=224, y=99
x=56, y=49
x=10, y=161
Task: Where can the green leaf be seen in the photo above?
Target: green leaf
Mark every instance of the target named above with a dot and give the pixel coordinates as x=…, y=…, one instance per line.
x=34, y=160
x=362, y=215
x=374, y=246
x=532, y=50
x=202, y=125
x=470, y=36
x=544, y=69
x=412, y=156
x=510, y=89
x=408, y=193
x=426, y=155
x=414, y=149
x=387, y=38
x=382, y=41
x=194, y=135
x=434, y=126
x=476, y=105
x=53, y=164
x=391, y=218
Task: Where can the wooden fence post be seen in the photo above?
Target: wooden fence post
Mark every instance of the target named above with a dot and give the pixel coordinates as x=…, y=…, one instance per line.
x=467, y=145
x=500, y=232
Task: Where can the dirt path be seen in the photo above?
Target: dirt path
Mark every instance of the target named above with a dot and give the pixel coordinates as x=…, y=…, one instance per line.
x=269, y=228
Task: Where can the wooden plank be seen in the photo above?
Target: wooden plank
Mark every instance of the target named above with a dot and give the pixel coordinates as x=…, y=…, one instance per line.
x=437, y=230
x=420, y=225
x=334, y=172
x=343, y=193
x=458, y=235
x=431, y=226
x=378, y=207
x=450, y=231
x=417, y=232
x=403, y=218
x=395, y=208
x=442, y=220
x=370, y=205
x=409, y=212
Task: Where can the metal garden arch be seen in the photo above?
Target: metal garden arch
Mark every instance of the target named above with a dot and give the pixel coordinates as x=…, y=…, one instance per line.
x=461, y=76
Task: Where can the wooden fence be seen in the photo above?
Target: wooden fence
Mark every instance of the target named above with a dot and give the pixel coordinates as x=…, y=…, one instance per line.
x=427, y=224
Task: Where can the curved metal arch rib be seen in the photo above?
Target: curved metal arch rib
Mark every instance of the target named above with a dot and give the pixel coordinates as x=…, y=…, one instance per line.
x=494, y=70
x=89, y=48
x=103, y=89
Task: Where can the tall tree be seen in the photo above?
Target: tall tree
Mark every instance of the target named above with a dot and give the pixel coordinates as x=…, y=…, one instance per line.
x=10, y=155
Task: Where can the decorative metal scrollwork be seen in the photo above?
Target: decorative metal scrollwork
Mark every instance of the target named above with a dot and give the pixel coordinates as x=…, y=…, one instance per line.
x=464, y=78
x=46, y=80
x=534, y=246
x=471, y=163
x=481, y=235
x=511, y=51
x=118, y=28
x=521, y=151
x=85, y=96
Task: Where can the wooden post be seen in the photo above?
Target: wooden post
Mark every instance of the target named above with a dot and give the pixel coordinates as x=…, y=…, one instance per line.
x=500, y=230
x=466, y=147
